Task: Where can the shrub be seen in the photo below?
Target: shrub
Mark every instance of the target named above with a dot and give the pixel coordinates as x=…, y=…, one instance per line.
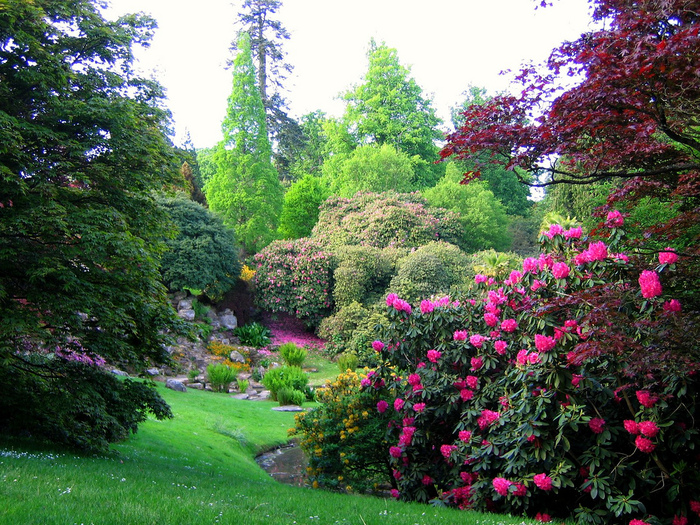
x=362, y=275
x=290, y=396
x=220, y=376
x=291, y=377
x=292, y=354
x=243, y=385
x=253, y=334
x=347, y=361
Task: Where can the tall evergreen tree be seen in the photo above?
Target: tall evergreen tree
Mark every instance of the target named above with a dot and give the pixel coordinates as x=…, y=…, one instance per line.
x=388, y=107
x=245, y=187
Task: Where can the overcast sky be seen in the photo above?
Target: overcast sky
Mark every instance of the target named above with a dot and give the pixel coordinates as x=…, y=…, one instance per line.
x=448, y=44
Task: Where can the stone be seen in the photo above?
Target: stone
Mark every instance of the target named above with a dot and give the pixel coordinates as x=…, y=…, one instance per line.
x=187, y=315
x=228, y=320
x=196, y=386
x=288, y=408
x=236, y=357
x=184, y=304
x=117, y=372
x=176, y=385
x=153, y=372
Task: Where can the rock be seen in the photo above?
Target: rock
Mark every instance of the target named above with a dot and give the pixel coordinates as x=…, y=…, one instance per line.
x=184, y=304
x=289, y=408
x=120, y=373
x=187, y=315
x=196, y=386
x=228, y=320
x=176, y=385
x=236, y=357
x=240, y=396
x=153, y=372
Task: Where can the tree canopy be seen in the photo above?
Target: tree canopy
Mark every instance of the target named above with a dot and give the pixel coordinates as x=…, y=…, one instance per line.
x=82, y=149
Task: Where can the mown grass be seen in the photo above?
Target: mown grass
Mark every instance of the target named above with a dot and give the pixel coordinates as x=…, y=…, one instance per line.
x=196, y=468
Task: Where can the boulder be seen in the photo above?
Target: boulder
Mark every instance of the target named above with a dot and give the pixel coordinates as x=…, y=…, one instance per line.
x=153, y=372
x=236, y=357
x=117, y=372
x=184, y=304
x=176, y=385
x=228, y=320
x=186, y=314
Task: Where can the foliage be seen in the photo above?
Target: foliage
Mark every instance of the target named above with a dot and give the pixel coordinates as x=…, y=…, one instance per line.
x=301, y=207
x=290, y=396
x=295, y=277
x=343, y=323
x=292, y=354
x=243, y=384
x=384, y=220
x=253, y=334
x=388, y=107
x=244, y=187
x=482, y=216
x=362, y=275
x=311, y=156
x=347, y=361
x=567, y=389
x=83, y=149
x=344, y=436
x=372, y=168
x=433, y=269
x=203, y=253
x=493, y=264
x=631, y=117
x=247, y=273
x=289, y=377
x=220, y=376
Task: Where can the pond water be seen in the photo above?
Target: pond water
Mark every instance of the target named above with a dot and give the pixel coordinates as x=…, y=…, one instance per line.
x=285, y=464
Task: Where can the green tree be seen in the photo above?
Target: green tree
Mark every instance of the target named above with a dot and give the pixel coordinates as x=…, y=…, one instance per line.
x=388, y=107
x=373, y=168
x=309, y=159
x=82, y=150
x=203, y=254
x=245, y=187
x=301, y=207
x=483, y=217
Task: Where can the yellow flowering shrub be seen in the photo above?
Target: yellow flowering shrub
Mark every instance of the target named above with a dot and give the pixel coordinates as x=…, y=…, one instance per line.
x=247, y=273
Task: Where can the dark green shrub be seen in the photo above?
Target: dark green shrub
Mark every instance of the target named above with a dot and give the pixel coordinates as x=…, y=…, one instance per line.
x=347, y=361
x=362, y=275
x=290, y=396
x=292, y=354
x=253, y=334
x=220, y=376
x=340, y=326
x=291, y=377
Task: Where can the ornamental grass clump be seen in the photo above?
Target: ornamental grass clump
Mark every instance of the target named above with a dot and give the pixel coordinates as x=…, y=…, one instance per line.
x=291, y=377
x=292, y=354
x=220, y=377
x=567, y=396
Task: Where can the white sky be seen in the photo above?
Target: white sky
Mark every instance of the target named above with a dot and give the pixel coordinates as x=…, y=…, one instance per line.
x=448, y=44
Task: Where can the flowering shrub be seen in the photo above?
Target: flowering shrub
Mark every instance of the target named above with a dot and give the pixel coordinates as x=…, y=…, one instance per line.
x=569, y=389
x=295, y=277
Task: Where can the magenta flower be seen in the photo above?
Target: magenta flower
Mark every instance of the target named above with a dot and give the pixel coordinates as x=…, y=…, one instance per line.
x=477, y=363
x=465, y=435
x=649, y=284
x=614, y=219
x=573, y=233
x=543, y=481
x=402, y=306
x=433, y=356
x=398, y=404
x=472, y=382
x=631, y=426
x=533, y=358
x=560, y=270
x=391, y=298
x=509, y=325
x=544, y=343
x=530, y=265
x=419, y=407
x=646, y=399
x=673, y=306
x=487, y=418
x=477, y=340
x=554, y=229
x=597, y=425
x=460, y=335
x=413, y=379
x=427, y=480
x=382, y=406
x=395, y=452
x=378, y=345
x=446, y=450
x=597, y=251
x=521, y=358
x=490, y=319
x=644, y=445
x=515, y=277
x=466, y=394
x=648, y=428
x=480, y=278
x=638, y=522
x=395, y=493
x=426, y=306
x=501, y=485
x=500, y=347
x=669, y=256
x=365, y=382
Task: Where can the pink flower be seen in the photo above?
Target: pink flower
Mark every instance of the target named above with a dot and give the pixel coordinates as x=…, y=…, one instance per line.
x=520, y=490
x=402, y=305
x=398, y=404
x=544, y=343
x=395, y=493
x=391, y=298
x=695, y=507
x=679, y=520
x=554, y=229
x=576, y=380
x=460, y=335
x=365, y=383
x=533, y=358
x=648, y=428
x=427, y=480
x=446, y=450
x=521, y=358
x=614, y=219
x=419, y=407
x=515, y=277
x=480, y=278
x=433, y=356
x=465, y=435
x=477, y=363
x=638, y=522
x=573, y=233
x=472, y=382
x=668, y=257
x=426, y=306
x=509, y=325
x=500, y=347
x=673, y=306
x=378, y=345
x=501, y=485
x=543, y=518
x=649, y=284
x=631, y=426
x=597, y=251
x=543, y=481
x=395, y=452
x=644, y=445
x=597, y=425
x=646, y=399
x=560, y=270
x=382, y=406
x=413, y=379
x=487, y=418
x=406, y=436
x=490, y=319
x=530, y=265
x=466, y=394
x=477, y=340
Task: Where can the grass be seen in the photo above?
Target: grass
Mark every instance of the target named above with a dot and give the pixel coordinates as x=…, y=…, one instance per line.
x=325, y=368
x=196, y=468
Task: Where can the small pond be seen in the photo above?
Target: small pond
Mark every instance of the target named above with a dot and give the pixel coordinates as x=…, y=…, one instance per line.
x=285, y=464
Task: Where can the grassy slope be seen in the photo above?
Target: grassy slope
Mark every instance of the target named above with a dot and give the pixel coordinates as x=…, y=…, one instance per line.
x=196, y=468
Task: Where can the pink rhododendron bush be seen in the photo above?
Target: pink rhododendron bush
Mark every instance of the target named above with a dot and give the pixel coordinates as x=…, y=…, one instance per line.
x=568, y=390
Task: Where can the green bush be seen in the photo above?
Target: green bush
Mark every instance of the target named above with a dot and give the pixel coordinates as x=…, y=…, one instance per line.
x=290, y=396
x=343, y=323
x=347, y=361
x=362, y=275
x=292, y=354
x=220, y=376
x=285, y=377
x=253, y=334
x=243, y=385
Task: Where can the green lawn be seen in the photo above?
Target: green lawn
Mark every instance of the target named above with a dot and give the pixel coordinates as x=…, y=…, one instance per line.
x=196, y=468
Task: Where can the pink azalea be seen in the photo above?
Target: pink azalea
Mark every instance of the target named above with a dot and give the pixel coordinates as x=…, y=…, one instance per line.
x=465, y=435
x=644, y=445
x=515, y=277
x=433, y=356
x=480, y=278
x=554, y=229
x=521, y=358
x=673, y=306
x=460, y=335
x=573, y=233
x=597, y=425
x=631, y=426
x=500, y=347
x=509, y=325
x=427, y=480
x=378, y=345
x=477, y=340
x=530, y=265
x=679, y=520
x=413, y=379
x=365, y=383
x=500, y=485
x=638, y=522
x=391, y=298
x=520, y=490
x=395, y=493
x=597, y=251
x=695, y=506
x=542, y=517
x=395, y=452
x=466, y=394
x=533, y=358
x=419, y=407
x=544, y=343
x=649, y=284
x=487, y=418
x=576, y=380
x=402, y=306
x=646, y=399
x=477, y=363
x=648, y=428
x=614, y=219
x=472, y=382
x=398, y=404
x=382, y=406
x=669, y=256
x=446, y=450
x=560, y=270
x=543, y=481
x=490, y=319
x=426, y=306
